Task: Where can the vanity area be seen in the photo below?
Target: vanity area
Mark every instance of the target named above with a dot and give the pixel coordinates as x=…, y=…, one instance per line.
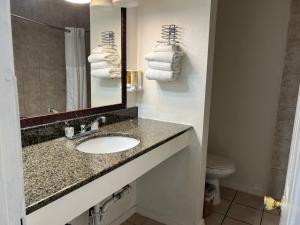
x=61, y=180
x=83, y=149
x=102, y=137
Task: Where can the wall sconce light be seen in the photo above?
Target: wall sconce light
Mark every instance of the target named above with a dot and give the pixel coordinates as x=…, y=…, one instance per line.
x=126, y=3
x=101, y=2
x=79, y=1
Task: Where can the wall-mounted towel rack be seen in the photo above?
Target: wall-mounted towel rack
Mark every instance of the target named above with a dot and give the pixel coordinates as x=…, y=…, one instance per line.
x=108, y=39
x=164, y=63
x=171, y=34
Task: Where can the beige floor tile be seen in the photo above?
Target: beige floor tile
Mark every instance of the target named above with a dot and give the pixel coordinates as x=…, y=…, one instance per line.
x=250, y=200
x=229, y=221
x=214, y=219
x=274, y=212
x=126, y=223
x=270, y=219
x=227, y=193
x=222, y=207
x=152, y=222
x=245, y=214
x=137, y=219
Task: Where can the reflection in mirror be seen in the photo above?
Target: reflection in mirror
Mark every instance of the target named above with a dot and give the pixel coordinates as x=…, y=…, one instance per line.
x=105, y=43
x=52, y=41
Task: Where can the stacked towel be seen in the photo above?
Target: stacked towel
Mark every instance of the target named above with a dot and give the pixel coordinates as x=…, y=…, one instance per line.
x=105, y=63
x=164, y=63
x=105, y=73
x=161, y=75
x=166, y=48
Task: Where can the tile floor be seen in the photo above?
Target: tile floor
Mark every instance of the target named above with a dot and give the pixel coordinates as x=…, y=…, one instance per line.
x=137, y=219
x=238, y=208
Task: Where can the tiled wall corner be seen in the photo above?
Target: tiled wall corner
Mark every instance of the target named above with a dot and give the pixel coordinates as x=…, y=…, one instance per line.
x=287, y=105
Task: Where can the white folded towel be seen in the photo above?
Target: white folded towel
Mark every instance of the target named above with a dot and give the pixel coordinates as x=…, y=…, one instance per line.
x=175, y=67
x=100, y=50
x=100, y=65
x=160, y=75
x=106, y=73
x=99, y=57
x=163, y=56
x=165, y=48
x=105, y=65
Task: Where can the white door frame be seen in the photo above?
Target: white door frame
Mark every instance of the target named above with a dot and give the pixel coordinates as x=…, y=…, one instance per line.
x=12, y=207
x=291, y=201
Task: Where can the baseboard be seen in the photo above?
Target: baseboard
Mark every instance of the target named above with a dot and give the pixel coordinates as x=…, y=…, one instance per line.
x=202, y=222
x=161, y=218
x=156, y=217
x=125, y=216
x=259, y=191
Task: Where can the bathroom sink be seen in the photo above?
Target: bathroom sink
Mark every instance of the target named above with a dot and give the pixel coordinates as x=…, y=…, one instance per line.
x=108, y=144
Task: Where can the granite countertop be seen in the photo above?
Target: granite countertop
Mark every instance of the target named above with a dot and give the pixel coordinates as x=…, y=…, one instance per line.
x=55, y=168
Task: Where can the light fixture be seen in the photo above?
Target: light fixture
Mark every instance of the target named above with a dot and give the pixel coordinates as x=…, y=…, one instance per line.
x=101, y=2
x=79, y=1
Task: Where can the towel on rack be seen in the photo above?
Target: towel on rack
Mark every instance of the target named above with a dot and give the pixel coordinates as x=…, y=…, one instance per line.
x=105, y=62
x=174, y=66
x=168, y=57
x=106, y=73
x=100, y=65
x=161, y=75
x=105, y=65
x=101, y=50
x=166, y=48
x=99, y=57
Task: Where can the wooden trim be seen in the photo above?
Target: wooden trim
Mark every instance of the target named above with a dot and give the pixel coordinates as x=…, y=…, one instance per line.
x=124, y=54
x=39, y=120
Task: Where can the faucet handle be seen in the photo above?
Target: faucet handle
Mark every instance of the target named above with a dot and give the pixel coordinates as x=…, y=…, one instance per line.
x=82, y=128
x=103, y=119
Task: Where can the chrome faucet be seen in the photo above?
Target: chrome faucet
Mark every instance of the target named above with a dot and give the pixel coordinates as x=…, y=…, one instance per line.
x=52, y=110
x=86, y=130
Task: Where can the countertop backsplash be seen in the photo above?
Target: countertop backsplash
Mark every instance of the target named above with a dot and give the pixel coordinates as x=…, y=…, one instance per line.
x=47, y=132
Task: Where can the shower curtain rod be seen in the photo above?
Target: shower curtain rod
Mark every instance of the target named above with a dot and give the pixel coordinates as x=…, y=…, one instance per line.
x=43, y=24
x=40, y=23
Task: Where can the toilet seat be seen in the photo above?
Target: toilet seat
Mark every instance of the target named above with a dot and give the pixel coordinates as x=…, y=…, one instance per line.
x=219, y=166
x=218, y=162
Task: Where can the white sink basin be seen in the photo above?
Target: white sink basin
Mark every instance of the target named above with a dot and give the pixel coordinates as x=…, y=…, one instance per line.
x=108, y=144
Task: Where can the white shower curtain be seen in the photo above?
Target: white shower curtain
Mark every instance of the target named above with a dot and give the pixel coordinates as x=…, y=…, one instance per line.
x=12, y=204
x=76, y=68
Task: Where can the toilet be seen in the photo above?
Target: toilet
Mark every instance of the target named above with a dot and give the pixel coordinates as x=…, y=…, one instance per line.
x=218, y=167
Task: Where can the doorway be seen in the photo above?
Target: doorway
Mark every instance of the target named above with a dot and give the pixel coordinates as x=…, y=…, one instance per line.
x=255, y=87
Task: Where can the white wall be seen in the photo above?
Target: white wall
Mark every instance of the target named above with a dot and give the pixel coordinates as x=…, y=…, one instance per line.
x=249, y=56
x=120, y=211
x=105, y=91
x=173, y=192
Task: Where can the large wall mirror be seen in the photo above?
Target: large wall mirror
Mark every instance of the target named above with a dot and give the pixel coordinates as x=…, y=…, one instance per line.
x=70, y=59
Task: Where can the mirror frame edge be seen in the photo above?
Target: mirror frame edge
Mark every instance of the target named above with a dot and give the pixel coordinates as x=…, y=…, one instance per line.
x=52, y=118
